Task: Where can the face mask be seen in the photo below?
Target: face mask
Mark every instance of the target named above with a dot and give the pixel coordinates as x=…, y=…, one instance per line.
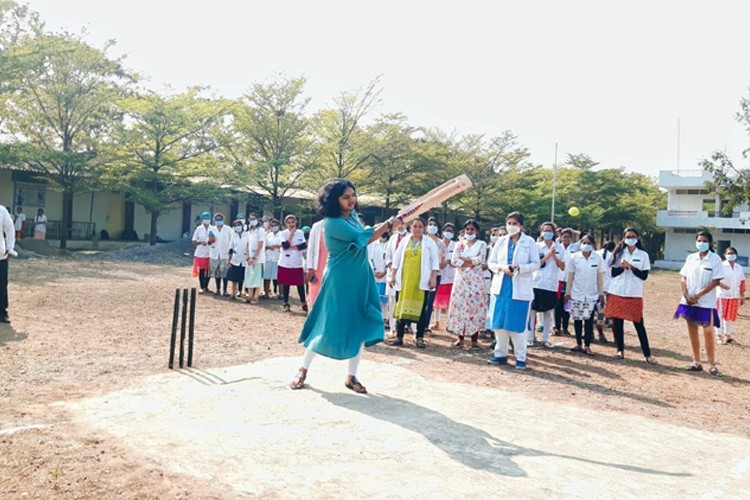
x=402, y=232
x=586, y=248
x=631, y=241
x=275, y=229
x=470, y=237
x=265, y=225
x=731, y=257
x=548, y=235
x=494, y=239
x=207, y=221
x=238, y=229
x=702, y=246
x=513, y=230
x=447, y=235
x=432, y=229
x=219, y=222
x=253, y=222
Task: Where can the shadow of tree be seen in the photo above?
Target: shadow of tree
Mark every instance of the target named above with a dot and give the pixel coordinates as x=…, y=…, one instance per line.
x=463, y=443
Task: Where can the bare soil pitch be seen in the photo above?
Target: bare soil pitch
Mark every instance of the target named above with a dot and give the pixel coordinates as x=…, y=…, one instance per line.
x=84, y=329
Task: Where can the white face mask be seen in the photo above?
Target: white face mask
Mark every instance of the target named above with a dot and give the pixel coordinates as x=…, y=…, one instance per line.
x=265, y=225
x=402, y=232
x=432, y=229
x=631, y=241
x=253, y=222
x=207, y=221
x=470, y=237
x=586, y=248
x=513, y=230
x=238, y=229
x=731, y=257
x=494, y=239
x=275, y=229
x=447, y=235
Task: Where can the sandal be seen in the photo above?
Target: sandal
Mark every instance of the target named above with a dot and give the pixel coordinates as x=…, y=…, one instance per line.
x=588, y=352
x=253, y=302
x=355, y=386
x=620, y=355
x=299, y=381
x=714, y=371
x=475, y=347
x=650, y=360
x=304, y=306
x=458, y=344
x=694, y=367
x=286, y=308
x=421, y=344
x=577, y=349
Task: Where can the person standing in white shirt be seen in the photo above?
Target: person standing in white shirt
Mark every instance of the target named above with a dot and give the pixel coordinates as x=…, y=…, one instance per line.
x=291, y=266
x=237, y=258
x=701, y=274
x=202, y=256
x=551, y=262
x=19, y=223
x=273, y=253
x=7, y=251
x=40, y=225
x=606, y=253
x=731, y=295
x=219, y=251
x=447, y=275
x=256, y=258
x=586, y=270
x=630, y=266
x=376, y=255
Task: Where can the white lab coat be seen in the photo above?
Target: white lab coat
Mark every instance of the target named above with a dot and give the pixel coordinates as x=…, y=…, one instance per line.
x=430, y=262
x=525, y=256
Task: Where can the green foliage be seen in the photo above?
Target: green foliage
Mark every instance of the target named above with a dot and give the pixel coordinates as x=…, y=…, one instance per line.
x=58, y=103
x=272, y=150
x=162, y=151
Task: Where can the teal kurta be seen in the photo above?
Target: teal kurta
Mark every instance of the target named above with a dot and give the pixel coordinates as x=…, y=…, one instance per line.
x=346, y=313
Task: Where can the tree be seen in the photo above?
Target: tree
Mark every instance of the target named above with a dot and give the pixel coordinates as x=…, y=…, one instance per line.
x=59, y=104
x=340, y=137
x=730, y=182
x=272, y=151
x=162, y=150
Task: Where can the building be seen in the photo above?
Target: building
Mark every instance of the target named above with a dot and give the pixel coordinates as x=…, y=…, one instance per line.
x=691, y=208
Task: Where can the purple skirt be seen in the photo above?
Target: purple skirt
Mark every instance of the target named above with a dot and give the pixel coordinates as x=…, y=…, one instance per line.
x=699, y=315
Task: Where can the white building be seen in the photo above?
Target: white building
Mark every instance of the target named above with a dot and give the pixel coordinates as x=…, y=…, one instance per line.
x=691, y=208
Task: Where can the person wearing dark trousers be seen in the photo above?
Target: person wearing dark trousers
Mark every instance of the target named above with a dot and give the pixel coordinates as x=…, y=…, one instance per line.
x=562, y=317
x=630, y=267
x=586, y=271
x=413, y=274
x=202, y=241
x=7, y=251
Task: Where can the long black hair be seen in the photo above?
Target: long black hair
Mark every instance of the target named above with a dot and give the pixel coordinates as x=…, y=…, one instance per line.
x=621, y=246
x=328, y=197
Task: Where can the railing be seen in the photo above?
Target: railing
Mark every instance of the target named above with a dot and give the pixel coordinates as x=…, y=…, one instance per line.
x=78, y=230
x=722, y=215
x=683, y=213
x=687, y=173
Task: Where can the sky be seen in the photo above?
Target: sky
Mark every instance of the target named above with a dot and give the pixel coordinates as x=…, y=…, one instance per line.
x=608, y=79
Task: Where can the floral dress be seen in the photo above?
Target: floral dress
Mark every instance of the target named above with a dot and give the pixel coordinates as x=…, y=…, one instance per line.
x=468, y=304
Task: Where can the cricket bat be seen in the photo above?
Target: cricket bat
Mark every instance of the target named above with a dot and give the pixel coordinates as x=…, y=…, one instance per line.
x=435, y=197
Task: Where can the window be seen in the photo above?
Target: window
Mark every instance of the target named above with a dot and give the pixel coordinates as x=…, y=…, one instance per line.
x=29, y=195
x=691, y=191
x=684, y=230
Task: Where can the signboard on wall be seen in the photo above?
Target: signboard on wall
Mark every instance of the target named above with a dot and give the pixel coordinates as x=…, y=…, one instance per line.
x=30, y=195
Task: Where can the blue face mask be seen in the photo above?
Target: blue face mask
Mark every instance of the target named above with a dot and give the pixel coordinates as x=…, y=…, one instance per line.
x=219, y=222
x=702, y=246
x=586, y=248
x=548, y=235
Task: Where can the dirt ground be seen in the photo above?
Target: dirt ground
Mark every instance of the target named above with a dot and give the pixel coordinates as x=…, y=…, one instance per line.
x=83, y=329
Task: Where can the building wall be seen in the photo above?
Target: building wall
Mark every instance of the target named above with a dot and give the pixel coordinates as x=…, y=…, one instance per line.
x=6, y=189
x=686, y=201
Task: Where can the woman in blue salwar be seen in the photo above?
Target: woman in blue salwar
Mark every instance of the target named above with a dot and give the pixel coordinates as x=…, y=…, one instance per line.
x=346, y=315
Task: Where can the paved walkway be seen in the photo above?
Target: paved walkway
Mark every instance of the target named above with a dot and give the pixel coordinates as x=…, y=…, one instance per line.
x=244, y=430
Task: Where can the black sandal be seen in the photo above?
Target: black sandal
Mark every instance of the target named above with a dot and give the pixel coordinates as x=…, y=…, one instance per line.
x=355, y=386
x=420, y=343
x=299, y=381
x=577, y=349
x=694, y=367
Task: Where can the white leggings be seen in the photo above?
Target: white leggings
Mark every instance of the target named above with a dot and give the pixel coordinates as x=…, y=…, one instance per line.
x=353, y=362
x=726, y=327
x=547, y=319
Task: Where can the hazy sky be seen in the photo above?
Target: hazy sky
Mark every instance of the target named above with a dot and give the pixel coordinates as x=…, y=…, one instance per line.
x=605, y=78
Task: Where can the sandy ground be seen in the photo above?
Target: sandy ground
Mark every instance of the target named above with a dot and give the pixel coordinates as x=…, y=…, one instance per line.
x=88, y=408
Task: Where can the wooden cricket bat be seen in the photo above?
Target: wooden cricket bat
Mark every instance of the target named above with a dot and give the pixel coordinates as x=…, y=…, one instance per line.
x=435, y=197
